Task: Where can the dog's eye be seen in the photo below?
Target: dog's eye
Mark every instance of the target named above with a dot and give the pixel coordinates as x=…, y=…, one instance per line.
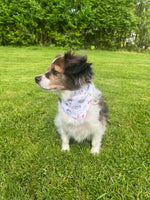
x=54, y=72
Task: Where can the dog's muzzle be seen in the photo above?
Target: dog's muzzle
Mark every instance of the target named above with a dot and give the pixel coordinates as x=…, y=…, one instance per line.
x=37, y=79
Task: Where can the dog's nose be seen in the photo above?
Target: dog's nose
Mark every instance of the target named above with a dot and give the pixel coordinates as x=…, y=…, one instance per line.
x=37, y=79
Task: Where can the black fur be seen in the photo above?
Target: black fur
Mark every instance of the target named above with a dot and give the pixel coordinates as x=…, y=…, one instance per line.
x=77, y=70
x=47, y=74
x=103, y=115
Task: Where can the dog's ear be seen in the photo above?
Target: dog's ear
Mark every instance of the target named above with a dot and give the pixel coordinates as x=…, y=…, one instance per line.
x=74, y=64
x=59, y=60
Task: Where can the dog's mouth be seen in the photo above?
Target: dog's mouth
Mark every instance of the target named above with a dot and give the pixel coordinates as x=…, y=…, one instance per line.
x=38, y=79
x=47, y=89
x=51, y=89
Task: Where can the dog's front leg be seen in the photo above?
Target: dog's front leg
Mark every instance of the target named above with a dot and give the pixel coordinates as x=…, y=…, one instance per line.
x=96, y=142
x=65, y=141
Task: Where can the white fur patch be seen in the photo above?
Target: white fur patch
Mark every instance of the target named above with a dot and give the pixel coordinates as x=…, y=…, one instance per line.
x=44, y=83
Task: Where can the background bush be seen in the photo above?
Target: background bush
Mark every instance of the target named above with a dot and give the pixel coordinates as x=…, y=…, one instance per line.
x=75, y=23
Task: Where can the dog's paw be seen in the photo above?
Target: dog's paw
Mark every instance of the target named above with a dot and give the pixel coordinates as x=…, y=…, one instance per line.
x=95, y=150
x=65, y=148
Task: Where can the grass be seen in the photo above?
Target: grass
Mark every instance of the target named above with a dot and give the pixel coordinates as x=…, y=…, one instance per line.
x=32, y=164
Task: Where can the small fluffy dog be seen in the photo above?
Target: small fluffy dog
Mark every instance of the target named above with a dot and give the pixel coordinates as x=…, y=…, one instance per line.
x=82, y=112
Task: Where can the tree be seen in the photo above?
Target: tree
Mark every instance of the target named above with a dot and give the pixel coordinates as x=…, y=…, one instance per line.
x=143, y=27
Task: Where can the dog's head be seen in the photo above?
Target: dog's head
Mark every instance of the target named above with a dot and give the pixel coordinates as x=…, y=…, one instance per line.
x=66, y=72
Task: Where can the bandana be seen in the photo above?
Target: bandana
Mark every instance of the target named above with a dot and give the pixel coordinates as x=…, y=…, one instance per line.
x=78, y=104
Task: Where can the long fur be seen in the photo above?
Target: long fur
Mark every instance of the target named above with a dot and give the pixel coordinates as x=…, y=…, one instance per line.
x=65, y=75
x=77, y=70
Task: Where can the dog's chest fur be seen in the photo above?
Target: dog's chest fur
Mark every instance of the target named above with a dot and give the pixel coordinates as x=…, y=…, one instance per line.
x=70, y=126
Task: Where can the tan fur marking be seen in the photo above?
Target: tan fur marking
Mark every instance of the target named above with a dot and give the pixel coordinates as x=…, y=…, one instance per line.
x=57, y=81
x=49, y=67
x=59, y=61
x=58, y=68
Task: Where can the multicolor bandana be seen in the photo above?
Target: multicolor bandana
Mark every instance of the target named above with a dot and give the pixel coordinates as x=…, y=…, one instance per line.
x=78, y=104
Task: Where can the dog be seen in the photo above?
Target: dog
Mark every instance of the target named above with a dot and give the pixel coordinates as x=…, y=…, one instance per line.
x=82, y=112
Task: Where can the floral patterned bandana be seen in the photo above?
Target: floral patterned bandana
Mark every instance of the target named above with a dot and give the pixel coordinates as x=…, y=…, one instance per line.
x=78, y=104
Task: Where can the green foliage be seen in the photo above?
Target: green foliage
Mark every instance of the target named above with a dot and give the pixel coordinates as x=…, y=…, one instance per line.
x=19, y=22
x=143, y=28
x=74, y=23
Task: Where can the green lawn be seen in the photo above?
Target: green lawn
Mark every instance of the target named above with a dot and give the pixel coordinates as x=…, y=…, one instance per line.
x=32, y=164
